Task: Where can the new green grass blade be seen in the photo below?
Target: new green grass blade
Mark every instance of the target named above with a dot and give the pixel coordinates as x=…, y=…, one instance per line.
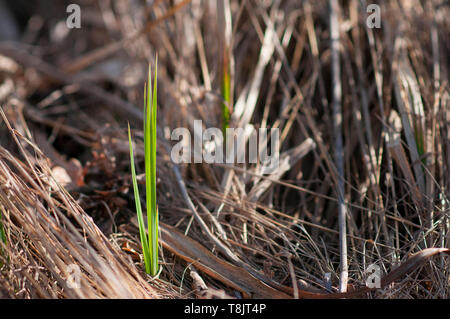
x=150, y=170
x=2, y=230
x=142, y=235
x=148, y=164
x=154, y=209
x=226, y=91
x=226, y=94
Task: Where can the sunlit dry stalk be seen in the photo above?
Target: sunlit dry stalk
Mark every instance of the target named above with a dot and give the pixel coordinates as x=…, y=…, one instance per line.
x=338, y=145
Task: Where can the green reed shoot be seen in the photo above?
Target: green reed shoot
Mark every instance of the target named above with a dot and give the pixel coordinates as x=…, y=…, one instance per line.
x=150, y=243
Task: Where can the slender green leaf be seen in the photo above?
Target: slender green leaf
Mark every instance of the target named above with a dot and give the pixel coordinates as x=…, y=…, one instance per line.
x=154, y=209
x=147, y=148
x=2, y=230
x=142, y=234
x=226, y=92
